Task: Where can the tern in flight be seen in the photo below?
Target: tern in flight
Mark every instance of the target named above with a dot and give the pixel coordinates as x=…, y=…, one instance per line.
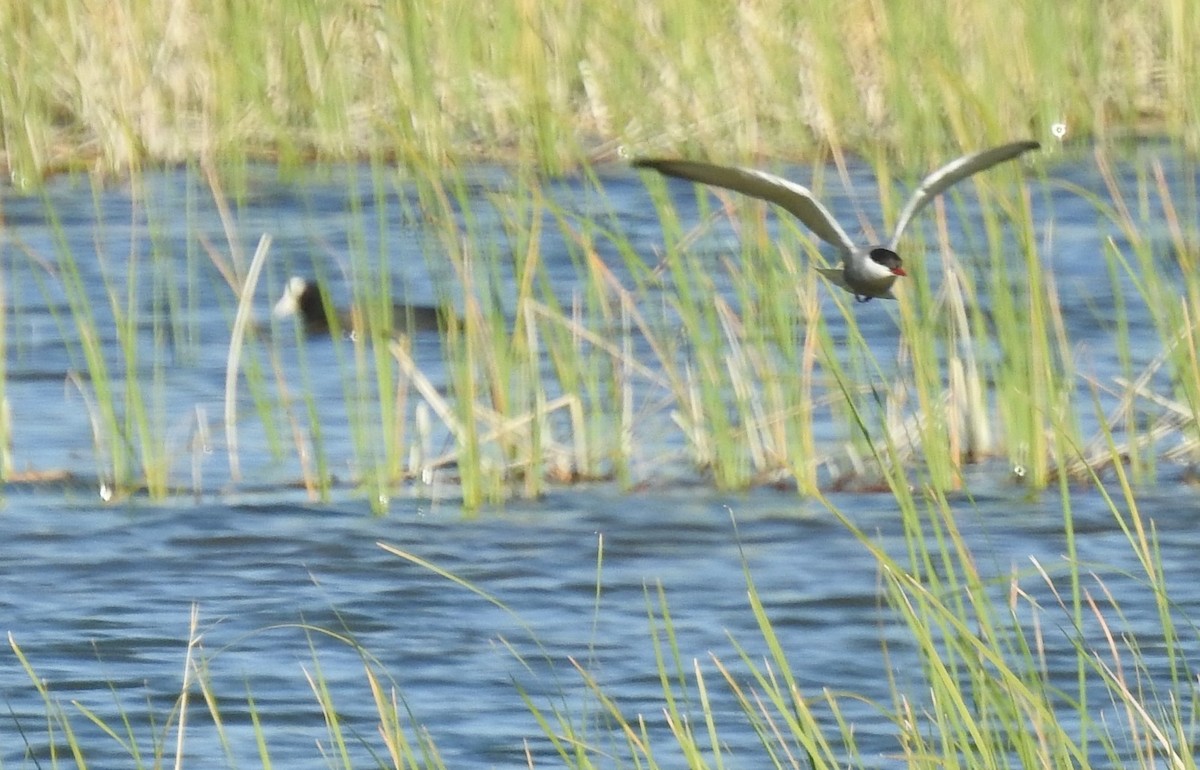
x=865, y=272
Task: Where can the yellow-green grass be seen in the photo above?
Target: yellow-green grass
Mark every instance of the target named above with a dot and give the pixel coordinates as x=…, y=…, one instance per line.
x=664, y=357
x=114, y=86
x=547, y=86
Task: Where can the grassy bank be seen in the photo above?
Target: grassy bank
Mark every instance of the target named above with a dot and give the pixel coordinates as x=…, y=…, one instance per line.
x=114, y=86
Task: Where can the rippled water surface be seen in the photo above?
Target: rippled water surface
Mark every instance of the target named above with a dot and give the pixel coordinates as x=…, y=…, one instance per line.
x=98, y=597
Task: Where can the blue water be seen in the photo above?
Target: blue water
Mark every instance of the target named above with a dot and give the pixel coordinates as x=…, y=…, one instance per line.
x=98, y=596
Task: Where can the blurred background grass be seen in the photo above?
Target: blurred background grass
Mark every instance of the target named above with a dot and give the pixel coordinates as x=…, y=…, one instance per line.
x=116, y=84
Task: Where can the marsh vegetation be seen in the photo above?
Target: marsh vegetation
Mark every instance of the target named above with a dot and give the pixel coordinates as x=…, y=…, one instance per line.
x=615, y=328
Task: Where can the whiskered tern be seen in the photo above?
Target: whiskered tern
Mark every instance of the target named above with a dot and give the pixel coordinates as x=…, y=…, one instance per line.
x=865, y=272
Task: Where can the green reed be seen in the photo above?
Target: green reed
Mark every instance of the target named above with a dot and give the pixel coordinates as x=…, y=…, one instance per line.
x=124, y=398
x=541, y=390
x=965, y=385
x=741, y=381
x=779, y=363
x=727, y=354
x=6, y=436
x=1147, y=416
x=368, y=391
x=980, y=694
x=165, y=739
x=514, y=427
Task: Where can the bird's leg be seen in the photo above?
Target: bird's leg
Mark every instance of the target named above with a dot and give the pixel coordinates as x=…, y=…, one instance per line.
x=862, y=298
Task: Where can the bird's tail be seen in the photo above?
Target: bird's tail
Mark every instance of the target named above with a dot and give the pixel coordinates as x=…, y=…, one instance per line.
x=834, y=274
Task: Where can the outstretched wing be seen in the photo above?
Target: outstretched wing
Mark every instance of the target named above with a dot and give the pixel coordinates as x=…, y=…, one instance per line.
x=795, y=199
x=955, y=171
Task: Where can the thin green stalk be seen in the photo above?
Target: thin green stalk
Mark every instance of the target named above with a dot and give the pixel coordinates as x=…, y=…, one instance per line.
x=116, y=477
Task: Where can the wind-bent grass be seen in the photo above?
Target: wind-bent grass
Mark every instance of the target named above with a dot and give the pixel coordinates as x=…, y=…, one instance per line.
x=739, y=358
x=233, y=364
x=128, y=419
x=153, y=745
x=744, y=369
x=966, y=384
x=993, y=666
x=6, y=460
x=983, y=696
